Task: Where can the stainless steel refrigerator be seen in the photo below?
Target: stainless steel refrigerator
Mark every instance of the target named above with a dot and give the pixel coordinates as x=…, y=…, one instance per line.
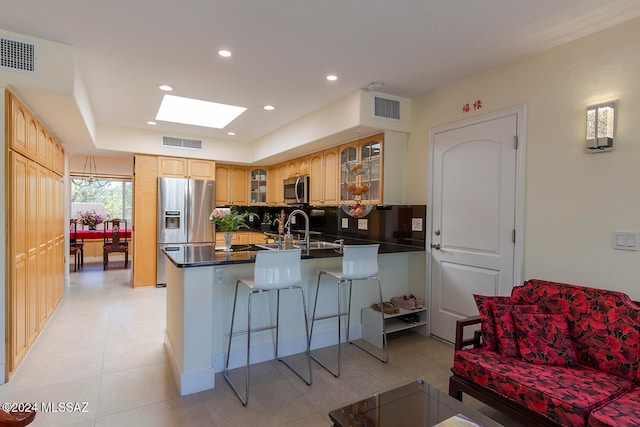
x=184, y=206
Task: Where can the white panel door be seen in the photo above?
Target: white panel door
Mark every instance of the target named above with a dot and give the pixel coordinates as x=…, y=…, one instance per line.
x=473, y=211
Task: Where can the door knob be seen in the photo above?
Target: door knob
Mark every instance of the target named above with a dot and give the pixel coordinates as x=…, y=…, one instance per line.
x=435, y=246
x=436, y=231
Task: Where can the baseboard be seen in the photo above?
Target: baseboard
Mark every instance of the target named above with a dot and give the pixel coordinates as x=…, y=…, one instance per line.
x=190, y=382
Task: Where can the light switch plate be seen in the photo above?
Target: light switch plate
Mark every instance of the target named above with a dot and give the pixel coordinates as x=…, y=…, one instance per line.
x=416, y=224
x=345, y=222
x=626, y=240
x=363, y=224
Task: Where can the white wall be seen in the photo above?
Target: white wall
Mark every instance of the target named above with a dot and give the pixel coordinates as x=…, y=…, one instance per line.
x=574, y=200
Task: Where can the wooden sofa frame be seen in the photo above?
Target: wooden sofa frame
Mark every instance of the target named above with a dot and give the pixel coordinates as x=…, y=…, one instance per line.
x=459, y=385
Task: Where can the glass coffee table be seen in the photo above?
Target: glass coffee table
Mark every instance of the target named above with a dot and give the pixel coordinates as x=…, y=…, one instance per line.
x=416, y=404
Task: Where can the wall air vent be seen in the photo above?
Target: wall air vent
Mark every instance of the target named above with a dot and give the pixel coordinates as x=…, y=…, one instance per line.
x=18, y=56
x=172, y=141
x=386, y=108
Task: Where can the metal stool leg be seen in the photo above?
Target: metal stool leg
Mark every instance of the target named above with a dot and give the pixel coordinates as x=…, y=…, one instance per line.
x=385, y=346
x=306, y=325
x=244, y=399
x=339, y=315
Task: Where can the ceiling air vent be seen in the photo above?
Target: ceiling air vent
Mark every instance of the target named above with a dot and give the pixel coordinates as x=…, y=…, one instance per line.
x=387, y=108
x=18, y=56
x=172, y=141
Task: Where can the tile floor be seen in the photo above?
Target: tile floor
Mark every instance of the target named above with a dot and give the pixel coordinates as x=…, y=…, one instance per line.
x=104, y=346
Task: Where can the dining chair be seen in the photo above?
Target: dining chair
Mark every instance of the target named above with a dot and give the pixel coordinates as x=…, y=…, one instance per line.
x=114, y=241
x=76, y=246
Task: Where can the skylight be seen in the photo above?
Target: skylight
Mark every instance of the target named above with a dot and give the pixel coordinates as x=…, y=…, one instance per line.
x=196, y=112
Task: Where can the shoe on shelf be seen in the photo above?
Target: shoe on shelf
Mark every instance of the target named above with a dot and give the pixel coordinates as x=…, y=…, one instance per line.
x=389, y=308
x=410, y=302
x=404, y=302
x=419, y=302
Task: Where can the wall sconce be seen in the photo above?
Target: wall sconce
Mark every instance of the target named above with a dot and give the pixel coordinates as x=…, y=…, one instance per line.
x=600, y=127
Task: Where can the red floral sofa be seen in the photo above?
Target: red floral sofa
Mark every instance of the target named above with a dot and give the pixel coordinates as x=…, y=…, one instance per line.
x=553, y=354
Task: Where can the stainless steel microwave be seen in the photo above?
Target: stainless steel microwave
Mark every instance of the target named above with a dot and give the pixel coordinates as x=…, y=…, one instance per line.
x=296, y=190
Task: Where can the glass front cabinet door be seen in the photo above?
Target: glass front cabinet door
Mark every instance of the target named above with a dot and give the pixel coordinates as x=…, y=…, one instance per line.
x=361, y=170
x=258, y=188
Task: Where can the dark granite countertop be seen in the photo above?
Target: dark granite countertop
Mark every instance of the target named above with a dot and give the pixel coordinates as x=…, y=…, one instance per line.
x=200, y=255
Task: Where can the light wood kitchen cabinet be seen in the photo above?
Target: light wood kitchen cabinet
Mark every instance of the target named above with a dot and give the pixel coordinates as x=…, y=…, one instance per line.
x=30, y=138
x=241, y=238
x=324, y=178
x=298, y=167
x=58, y=165
x=258, y=186
x=17, y=124
x=36, y=232
x=51, y=151
x=43, y=140
x=331, y=180
x=201, y=169
x=145, y=198
x=231, y=185
x=172, y=167
x=272, y=189
x=18, y=305
x=178, y=167
x=293, y=167
x=316, y=176
x=275, y=189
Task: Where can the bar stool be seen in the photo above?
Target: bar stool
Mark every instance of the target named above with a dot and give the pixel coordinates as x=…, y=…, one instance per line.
x=274, y=270
x=359, y=262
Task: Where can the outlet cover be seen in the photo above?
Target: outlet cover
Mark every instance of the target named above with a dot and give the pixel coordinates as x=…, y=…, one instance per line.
x=221, y=277
x=363, y=224
x=416, y=224
x=345, y=222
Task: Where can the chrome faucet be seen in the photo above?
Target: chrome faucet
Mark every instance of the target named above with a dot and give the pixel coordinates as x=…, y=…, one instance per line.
x=287, y=225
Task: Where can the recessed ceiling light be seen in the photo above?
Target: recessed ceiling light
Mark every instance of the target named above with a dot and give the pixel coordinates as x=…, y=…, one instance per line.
x=224, y=53
x=165, y=88
x=332, y=77
x=231, y=133
x=196, y=112
x=151, y=122
x=269, y=107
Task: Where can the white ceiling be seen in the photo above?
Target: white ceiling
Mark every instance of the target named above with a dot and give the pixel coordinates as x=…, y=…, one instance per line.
x=282, y=51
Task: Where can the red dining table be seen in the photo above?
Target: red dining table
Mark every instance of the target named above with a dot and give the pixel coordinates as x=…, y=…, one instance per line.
x=97, y=234
x=81, y=235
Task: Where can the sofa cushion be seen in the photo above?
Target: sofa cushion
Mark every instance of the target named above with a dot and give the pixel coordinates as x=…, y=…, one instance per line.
x=623, y=411
x=604, y=325
x=505, y=326
x=564, y=394
x=544, y=339
x=487, y=324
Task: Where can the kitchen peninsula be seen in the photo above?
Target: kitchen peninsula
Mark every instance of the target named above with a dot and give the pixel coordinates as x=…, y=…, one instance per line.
x=200, y=286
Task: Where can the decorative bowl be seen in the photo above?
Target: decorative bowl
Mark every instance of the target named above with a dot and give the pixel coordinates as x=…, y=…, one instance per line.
x=357, y=210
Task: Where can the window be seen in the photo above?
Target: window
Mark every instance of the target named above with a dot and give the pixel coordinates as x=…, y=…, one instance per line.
x=114, y=193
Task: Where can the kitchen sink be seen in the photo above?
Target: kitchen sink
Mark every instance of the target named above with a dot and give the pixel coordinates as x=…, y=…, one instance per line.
x=270, y=246
x=316, y=245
